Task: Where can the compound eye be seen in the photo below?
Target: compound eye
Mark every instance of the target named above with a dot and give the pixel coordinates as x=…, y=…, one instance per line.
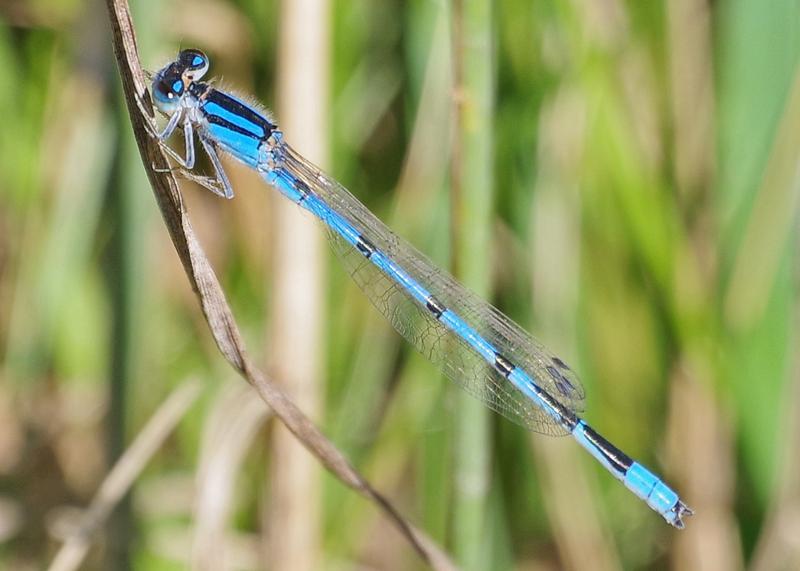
x=169, y=88
x=177, y=87
x=167, y=91
x=194, y=62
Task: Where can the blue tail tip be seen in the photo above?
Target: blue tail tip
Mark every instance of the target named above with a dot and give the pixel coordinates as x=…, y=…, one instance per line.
x=676, y=514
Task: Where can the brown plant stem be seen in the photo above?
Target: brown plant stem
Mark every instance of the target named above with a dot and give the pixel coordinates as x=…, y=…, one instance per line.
x=212, y=298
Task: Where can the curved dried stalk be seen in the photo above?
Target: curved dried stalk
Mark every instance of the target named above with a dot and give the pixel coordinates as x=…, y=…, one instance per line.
x=212, y=299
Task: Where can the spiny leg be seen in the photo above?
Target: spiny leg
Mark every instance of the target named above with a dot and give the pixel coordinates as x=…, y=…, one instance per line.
x=186, y=162
x=218, y=184
x=209, y=182
x=162, y=137
x=188, y=136
x=219, y=170
x=170, y=127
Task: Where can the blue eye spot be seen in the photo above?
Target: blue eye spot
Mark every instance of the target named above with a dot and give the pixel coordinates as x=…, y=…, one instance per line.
x=197, y=60
x=177, y=87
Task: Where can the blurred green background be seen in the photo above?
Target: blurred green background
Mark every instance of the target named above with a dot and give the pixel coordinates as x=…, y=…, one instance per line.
x=620, y=177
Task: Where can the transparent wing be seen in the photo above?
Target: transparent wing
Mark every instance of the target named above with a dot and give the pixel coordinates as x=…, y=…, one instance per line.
x=440, y=345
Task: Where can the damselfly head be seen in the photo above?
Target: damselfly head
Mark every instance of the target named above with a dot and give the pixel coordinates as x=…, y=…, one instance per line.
x=172, y=81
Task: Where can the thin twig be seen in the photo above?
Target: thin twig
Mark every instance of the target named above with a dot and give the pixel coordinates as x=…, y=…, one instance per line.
x=212, y=298
x=124, y=474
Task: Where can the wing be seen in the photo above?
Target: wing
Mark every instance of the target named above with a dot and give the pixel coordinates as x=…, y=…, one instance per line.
x=456, y=358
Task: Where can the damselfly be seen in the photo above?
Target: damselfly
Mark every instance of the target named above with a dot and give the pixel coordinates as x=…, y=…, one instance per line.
x=473, y=343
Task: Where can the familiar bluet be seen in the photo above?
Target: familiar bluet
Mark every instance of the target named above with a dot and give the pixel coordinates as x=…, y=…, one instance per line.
x=473, y=343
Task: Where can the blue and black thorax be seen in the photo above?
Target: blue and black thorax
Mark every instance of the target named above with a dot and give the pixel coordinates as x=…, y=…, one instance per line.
x=237, y=127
